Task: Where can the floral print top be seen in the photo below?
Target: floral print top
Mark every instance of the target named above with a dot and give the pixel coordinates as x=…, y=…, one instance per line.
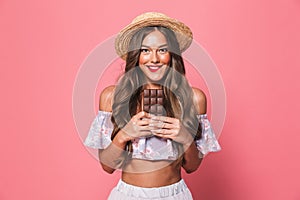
x=151, y=148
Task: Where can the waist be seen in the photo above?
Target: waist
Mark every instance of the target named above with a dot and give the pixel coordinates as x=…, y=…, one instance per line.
x=151, y=174
x=153, y=192
x=138, y=166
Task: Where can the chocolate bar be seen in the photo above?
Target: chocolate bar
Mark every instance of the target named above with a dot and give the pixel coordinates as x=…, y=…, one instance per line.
x=153, y=101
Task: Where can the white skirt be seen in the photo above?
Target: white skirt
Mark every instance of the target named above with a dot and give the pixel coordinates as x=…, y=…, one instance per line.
x=176, y=191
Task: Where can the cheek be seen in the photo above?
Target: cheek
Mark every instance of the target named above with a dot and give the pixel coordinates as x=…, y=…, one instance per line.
x=143, y=59
x=165, y=58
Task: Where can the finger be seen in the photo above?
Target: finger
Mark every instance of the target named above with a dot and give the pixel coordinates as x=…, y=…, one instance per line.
x=164, y=125
x=165, y=119
x=145, y=133
x=162, y=132
x=164, y=136
x=144, y=122
x=147, y=128
x=140, y=115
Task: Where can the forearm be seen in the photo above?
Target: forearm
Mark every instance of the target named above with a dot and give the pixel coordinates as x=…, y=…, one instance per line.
x=191, y=159
x=113, y=156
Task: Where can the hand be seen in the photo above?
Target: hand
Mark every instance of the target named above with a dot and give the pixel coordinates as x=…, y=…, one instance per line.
x=171, y=128
x=139, y=126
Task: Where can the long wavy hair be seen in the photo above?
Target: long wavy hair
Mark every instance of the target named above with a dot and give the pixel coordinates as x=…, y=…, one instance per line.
x=178, y=94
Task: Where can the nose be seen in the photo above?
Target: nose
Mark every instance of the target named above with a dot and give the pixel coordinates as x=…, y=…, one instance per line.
x=155, y=58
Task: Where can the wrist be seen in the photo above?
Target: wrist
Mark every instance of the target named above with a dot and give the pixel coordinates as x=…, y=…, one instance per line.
x=188, y=141
x=121, y=139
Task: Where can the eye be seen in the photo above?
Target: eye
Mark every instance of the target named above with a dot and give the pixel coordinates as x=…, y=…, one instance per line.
x=145, y=51
x=163, y=50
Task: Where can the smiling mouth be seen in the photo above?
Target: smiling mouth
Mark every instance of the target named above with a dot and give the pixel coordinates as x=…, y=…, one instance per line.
x=154, y=68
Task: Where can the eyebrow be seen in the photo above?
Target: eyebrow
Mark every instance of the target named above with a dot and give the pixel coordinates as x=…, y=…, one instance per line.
x=163, y=45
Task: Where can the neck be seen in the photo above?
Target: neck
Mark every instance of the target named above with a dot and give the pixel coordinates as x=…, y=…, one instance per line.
x=153, y=86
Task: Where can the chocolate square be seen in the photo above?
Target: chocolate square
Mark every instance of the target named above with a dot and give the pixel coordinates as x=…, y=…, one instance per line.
x=146, y=101
x=160, y=93
x=152, y=92
x=159, y=109
x=146, y=108
x=153, y=109
x=160, y=101
x=153, y=100
x=146, y=93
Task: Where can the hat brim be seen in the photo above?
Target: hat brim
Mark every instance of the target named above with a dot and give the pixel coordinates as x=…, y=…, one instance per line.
x=183, y=33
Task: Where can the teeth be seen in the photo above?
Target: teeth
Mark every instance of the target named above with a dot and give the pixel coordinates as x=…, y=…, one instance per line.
x=154, y=67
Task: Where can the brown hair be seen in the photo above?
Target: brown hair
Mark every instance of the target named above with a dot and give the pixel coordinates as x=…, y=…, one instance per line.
x=178, y=93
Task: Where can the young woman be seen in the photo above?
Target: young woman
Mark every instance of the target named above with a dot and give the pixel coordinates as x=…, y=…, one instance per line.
x=151, y=148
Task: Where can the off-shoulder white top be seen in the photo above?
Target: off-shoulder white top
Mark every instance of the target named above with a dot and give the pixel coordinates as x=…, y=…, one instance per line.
x=152, y=148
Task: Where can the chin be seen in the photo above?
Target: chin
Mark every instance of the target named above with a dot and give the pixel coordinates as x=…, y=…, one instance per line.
x=158, y=79
x=155, y=78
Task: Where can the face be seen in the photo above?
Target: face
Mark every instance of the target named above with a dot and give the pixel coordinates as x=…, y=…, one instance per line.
x=154, y=57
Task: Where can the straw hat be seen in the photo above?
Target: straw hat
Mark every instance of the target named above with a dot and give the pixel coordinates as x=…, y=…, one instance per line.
x=183, y=33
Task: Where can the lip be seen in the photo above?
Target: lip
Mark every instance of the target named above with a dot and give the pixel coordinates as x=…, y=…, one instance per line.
x=154, y=68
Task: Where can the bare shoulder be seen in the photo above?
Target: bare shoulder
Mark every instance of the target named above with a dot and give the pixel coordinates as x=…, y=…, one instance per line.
x=199, y=100
x=106, y=98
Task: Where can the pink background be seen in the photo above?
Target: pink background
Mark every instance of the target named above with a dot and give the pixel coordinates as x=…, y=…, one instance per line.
x=255, y=45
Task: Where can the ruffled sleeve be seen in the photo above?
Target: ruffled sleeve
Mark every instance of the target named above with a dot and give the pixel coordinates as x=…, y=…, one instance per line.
x=208, y=142
x=100, y=131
